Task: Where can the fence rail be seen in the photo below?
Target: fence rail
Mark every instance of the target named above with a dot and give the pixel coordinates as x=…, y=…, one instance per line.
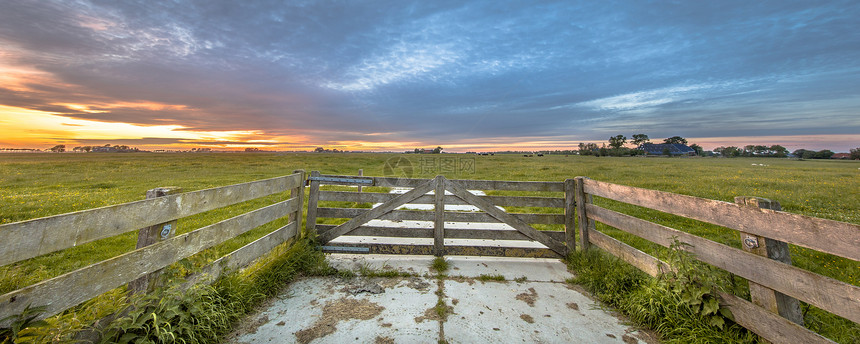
x=777, y=279
x=72, y=288
x=775, y=284
x=445, y=192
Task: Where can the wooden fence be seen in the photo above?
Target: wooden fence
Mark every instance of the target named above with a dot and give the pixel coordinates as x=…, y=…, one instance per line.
x=775, y=285
x=155, y=218
x=765, y=231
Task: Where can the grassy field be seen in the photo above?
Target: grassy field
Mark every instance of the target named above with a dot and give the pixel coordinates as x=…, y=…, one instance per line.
x=38, y=185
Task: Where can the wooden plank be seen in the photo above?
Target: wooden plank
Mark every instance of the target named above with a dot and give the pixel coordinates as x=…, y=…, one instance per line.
x=826, y=293
x=834, y=237
x=627, y=253
x=450, y=216
x=456, y=250
x=378, y=197
x=67, y=290
x=298, y=193
x=768, y=325
x=508, y=219
x=360, y=174
x=570, y=213
x=243, y=256
x=439, y=218
x=772, y=300
x=313, y=201
x=470, y=184
x=31, y=238
x=398, y=232
x=585, y=224
x=376, y=212
x=149, y=235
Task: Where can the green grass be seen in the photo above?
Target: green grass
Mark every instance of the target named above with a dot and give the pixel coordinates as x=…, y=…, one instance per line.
x=440, y=265
x=37, y=185
x=487, y=278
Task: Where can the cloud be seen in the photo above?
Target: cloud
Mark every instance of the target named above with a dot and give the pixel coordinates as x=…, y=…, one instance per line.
x=447, y=72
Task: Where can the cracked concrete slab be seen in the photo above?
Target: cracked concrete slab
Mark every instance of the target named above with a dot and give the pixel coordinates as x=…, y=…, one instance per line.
x=540, y=308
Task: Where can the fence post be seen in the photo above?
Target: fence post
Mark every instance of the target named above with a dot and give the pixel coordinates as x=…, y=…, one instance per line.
x=764, y=297
x=313, y=199
x=569, y=214
x=360, y=173
x=439, y=224
x=299, y=194
x=584, y=222
x=151, y=235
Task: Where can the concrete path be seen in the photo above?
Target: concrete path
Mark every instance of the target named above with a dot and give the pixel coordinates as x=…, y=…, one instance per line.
x=532, y=304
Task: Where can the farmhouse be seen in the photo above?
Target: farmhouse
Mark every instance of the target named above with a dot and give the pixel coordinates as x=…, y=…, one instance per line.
x=673, y=149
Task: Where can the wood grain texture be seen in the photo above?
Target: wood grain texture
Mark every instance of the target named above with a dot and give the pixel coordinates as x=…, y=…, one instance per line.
x=31, y=238
x=70, y=289
x=585, y=224
x=454, y=250
x=834, y=237
x=570, y=214
x=439, y=217
x=397, y=232
x=382, y=209
x=509, y=219
x=149, y=235
x=450, y=216
x=378, y=197
x=829, y=294
x=627, y=253
x=313, y=201
x=772, y=300
x=468, y=183
x=769, y=326
x=244, y=255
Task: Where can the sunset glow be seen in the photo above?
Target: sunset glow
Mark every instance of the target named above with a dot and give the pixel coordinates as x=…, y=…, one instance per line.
x=398, y=76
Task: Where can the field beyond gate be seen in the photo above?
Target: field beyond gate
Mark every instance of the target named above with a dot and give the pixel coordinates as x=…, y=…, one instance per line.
x=729, y=169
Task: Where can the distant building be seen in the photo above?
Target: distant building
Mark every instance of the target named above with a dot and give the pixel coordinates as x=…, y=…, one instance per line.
x=105, y=149
x=841, y=156
x=673, y=149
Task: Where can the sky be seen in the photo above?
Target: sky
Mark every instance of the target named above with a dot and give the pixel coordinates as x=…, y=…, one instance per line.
x=396, y=75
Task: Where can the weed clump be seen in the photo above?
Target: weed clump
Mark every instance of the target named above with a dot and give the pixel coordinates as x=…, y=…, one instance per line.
x=659, y=304
x=440, y=265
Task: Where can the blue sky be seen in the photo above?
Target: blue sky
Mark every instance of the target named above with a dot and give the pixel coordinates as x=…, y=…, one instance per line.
x=473, y=75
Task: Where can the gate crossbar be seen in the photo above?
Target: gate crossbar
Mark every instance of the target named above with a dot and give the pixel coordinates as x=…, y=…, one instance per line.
x=382, y=209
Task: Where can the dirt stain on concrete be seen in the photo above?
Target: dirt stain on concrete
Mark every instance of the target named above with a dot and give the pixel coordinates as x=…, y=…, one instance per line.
x=527, y=318
x=573, y=306
x=383, y=340
x=529, y=298
x=336, y=311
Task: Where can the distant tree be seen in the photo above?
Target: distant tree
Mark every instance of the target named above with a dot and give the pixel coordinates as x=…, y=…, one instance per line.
x=676, y=139
x=417, y=151
x=699, y=150
x=778, y=151
x=855, y=153
x=87, y=148
x=58, y=148
x=319, y=149
x=824, y=154
x=437, y=150
x=617, y=141
x=639, y=139
x=603, y=151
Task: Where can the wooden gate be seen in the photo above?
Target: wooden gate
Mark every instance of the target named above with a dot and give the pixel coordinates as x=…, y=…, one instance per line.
x=488, y=230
